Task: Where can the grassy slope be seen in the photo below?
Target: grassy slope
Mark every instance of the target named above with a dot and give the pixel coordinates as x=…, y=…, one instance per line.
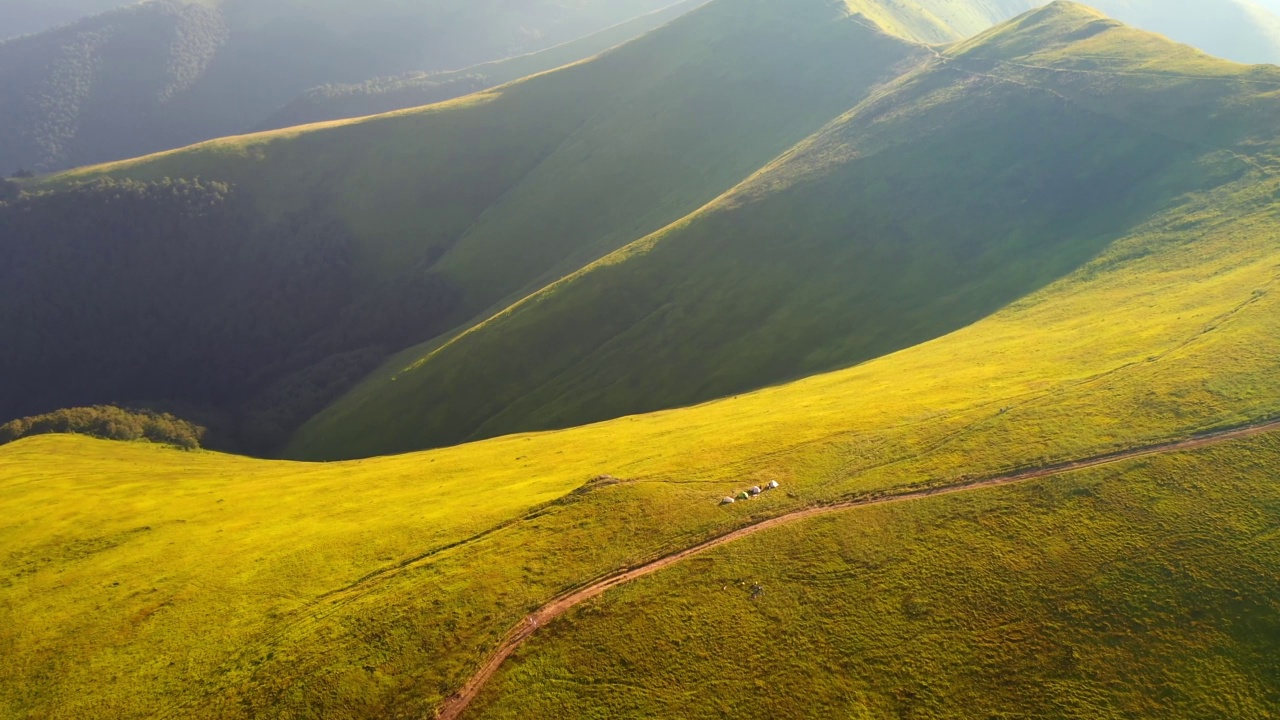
x=497, y=181
x=1167, y=333
x=534, y=152
x=407, y=187
x=222, y=542
x=1147, y=590
x=648, y=159
x=383, y=95
x=1171, y=330
x=914, y=214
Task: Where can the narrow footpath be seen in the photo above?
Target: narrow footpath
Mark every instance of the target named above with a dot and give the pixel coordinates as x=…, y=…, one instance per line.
x=454, y=706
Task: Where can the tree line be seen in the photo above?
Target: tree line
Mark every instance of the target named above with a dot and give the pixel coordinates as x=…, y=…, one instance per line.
x=109, y=423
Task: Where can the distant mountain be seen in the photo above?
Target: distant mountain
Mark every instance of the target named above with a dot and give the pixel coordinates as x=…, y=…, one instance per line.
x=990, y=172
x=1246, y=31
x=380, y=95
x=1242, y=30
x=24, y=17
x=302, y=257
x=166, y=73
x=1234, y=29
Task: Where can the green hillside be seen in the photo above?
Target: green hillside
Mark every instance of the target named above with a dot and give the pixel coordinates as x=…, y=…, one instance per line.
x=167, y=73
x=338, y=589
x=1000, y=166
x=144, y=581
x=213, y=586
x=355, y=239
x=1147, y=590
x=398, y=230
x=381, y=95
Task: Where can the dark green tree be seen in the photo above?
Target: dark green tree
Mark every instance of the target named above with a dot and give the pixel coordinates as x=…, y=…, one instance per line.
x=109, y=423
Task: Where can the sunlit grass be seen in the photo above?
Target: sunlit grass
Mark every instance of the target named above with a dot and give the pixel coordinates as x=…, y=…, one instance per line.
x=139, y=579
x=1145, y=590
x=1172, y=331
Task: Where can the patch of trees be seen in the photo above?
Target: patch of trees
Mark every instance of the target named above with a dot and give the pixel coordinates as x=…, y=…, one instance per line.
x=103, y=88
x=109, y=423
x=179, y=295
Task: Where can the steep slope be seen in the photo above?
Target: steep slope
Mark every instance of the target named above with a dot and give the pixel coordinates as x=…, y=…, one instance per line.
x=166, y=73
x=964, y=186
x=375, y=588
x=380, y=95
x=345, y=225
x=184, y=292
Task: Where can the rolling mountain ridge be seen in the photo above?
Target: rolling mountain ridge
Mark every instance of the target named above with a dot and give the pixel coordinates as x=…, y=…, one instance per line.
x=1029, y=279
x=989, y=172
x=163, y=74
x=429, y=210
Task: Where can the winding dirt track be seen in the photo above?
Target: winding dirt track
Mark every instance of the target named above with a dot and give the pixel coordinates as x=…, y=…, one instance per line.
x=454, y=706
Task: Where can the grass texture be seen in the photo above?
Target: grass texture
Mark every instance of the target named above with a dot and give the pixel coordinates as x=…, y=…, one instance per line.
x=1146, y=590
x=140, y=581
x=1165, y=334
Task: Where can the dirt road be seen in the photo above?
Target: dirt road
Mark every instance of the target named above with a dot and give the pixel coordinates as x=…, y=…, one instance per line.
x=454, y=706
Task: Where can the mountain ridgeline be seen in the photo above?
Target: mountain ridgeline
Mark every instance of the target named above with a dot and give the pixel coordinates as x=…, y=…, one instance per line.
x=161, y=74
x=1235, y=29
x=1053, y=496
x=386, y=94
x=480, y=198
x=166, y=73
x=990, y=171
x=755, y=217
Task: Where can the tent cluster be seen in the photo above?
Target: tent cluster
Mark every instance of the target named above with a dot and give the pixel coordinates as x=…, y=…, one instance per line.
x=750, y=493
